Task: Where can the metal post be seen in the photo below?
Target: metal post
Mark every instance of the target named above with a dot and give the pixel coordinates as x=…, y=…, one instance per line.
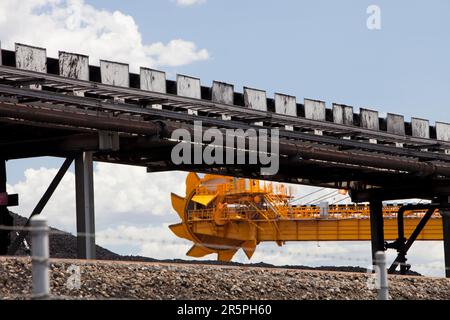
x=376, y=227
x=383, y=291
x=84, y=185
x=445, y=213
x=40, y=257
x=5, y=218
x=446, y=229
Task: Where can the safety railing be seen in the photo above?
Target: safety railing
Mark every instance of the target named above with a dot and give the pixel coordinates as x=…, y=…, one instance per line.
x=298, y=213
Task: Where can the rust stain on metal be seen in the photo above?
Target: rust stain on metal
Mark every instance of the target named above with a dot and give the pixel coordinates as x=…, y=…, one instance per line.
x=74, y=66
x=31, y=58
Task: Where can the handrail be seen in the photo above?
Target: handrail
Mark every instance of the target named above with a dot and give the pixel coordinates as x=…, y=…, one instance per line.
x=296, y=213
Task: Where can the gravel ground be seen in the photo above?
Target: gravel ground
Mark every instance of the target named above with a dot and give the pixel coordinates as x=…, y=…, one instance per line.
x=133, y=280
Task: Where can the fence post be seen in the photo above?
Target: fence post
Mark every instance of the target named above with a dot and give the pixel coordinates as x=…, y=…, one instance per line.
x=40, y=257
x=383, y=290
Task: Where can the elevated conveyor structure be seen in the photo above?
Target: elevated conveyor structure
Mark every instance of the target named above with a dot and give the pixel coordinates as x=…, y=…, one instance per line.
x=222, y=214
x=66, y=107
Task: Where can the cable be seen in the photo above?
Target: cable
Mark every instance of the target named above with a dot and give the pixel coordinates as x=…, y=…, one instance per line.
x=326, y=196
x=309, y=194
x=336, y=202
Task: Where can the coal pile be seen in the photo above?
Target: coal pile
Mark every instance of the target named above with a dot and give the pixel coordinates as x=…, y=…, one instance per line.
x=63, y=245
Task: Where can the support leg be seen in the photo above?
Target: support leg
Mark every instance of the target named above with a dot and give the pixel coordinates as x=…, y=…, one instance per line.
x=6, y=219
x=446, y=229
x=84, y=186
x=404, y=247
x=376, y=227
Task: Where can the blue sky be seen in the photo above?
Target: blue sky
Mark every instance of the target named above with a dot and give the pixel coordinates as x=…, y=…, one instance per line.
x=314, y=49
x=318, y=49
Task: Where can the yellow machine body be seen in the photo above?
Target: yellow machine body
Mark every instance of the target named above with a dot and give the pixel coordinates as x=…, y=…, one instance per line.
x=224, y=214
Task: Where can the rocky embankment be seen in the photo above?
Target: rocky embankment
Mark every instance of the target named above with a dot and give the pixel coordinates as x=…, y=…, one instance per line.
x=138, y=280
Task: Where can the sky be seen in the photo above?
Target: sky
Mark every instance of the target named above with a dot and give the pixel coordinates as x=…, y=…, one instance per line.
x=310, y=49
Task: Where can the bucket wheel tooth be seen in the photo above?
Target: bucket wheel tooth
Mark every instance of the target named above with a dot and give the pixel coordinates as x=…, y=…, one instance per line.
x=249, y=248
x=225, y=255
x=181, y=231
x=197, y=251
x=178, y=204
x=192, y=182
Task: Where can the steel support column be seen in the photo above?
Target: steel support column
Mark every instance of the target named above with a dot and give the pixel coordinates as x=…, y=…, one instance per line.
x=376, y=227
x=445, y=213
x=5, y=218
x=84, y=188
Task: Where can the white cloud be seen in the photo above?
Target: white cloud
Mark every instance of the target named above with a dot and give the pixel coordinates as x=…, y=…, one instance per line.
x=187, y=3
x=155, y=241
x=74, y=26
x=60, y=209
x=176, y=52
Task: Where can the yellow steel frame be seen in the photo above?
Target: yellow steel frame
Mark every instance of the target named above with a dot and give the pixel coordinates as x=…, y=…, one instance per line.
x=222, y=214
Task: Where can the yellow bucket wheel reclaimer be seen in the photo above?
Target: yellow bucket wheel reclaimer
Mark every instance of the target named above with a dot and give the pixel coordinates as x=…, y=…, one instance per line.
x=222, y=214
